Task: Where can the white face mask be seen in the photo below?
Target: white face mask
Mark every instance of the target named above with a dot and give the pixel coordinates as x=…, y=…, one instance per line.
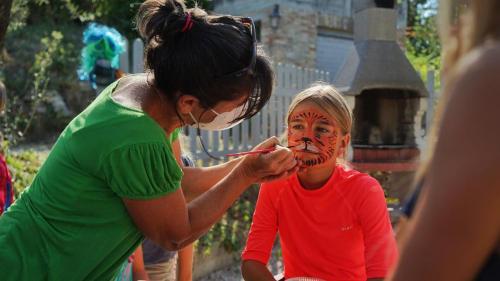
x=222, y=121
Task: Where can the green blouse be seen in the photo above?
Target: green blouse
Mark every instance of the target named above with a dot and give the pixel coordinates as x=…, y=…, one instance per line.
x=71, y=223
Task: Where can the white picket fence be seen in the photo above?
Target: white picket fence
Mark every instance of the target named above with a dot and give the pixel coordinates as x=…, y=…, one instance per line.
x=268, y=122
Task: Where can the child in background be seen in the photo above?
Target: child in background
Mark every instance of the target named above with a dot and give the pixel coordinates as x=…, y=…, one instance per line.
x=6, y=189
x=332, y=221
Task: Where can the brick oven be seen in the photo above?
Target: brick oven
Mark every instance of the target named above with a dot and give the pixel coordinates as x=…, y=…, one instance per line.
x=388, y=96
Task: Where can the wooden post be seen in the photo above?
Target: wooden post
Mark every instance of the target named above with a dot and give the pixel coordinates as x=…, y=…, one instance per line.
x=236, y=137
x=124, y=58
x=138, y=56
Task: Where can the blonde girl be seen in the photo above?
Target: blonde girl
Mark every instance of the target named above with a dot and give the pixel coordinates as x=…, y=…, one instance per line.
x=332, y=221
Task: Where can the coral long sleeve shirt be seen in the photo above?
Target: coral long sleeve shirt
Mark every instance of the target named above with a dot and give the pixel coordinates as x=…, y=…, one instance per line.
x=340, y=231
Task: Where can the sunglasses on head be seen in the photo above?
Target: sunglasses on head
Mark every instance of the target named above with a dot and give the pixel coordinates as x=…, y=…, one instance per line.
x=250, y=69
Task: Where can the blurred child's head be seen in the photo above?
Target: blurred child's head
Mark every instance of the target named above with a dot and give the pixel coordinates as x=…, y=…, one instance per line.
x=319, y=125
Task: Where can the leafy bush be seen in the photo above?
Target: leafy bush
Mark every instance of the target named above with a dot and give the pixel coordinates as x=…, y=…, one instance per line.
x=42, y=61
x=23, y=165
x=231, y=231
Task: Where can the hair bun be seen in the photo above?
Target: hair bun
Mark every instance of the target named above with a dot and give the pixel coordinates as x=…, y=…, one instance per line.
x=155, y=17
x=173, y=6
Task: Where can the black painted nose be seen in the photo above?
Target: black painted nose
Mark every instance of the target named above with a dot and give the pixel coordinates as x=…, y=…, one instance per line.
x=306, y=140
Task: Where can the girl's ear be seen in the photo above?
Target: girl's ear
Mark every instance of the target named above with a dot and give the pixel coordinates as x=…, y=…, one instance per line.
x=344, y=143
x=346, y=140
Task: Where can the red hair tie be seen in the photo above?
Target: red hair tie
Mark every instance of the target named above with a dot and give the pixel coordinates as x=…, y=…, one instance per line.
x=188, y=23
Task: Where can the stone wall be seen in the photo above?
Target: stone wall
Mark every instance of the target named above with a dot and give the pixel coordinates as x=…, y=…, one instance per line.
x=294, y=41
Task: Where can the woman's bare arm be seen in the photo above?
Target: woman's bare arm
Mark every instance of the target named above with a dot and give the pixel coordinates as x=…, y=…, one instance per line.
x=255, y=271
x=173, y=224
x=197, y=180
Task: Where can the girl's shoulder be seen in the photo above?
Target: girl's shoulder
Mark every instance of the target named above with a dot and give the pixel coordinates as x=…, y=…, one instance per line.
x=277, y=185
x=274, y=189
x=349, y=175
x=353, y=181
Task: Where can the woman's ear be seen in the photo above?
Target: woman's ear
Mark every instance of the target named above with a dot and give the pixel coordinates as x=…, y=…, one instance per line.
x=185, y=103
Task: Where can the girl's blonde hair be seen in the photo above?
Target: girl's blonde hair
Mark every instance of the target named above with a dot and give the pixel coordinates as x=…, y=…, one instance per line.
x=329, y=99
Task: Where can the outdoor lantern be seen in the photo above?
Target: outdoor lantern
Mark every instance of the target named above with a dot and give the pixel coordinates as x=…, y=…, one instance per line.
x=275, y=17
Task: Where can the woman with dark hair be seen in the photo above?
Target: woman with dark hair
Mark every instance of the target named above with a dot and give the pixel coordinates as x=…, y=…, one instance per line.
x=111, y=178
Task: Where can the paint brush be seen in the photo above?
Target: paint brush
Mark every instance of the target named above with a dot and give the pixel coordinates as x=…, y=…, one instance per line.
x=258, y=151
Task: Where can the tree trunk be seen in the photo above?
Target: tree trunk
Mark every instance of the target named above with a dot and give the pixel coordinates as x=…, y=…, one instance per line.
x=5, y=6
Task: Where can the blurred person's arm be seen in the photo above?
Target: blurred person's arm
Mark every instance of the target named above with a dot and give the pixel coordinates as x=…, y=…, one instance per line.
x=185, y=263
x=176, y=149
x=255, y=271
x=138, y=269
x=184, y=255
x=455, y=226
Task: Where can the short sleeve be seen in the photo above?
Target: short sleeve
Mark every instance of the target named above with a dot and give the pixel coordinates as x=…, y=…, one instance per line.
x=142, y=171
x=264, y=227
x=380, y=244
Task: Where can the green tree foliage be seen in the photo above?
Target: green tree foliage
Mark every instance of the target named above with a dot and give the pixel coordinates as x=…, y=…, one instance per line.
x=5, y=7
x=19, y=15
x=28, y=86
x=116, y=13
x=423, y=46
x=28, y=77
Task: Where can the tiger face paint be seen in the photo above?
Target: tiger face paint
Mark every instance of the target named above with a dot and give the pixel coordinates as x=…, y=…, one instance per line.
x=312, y=135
